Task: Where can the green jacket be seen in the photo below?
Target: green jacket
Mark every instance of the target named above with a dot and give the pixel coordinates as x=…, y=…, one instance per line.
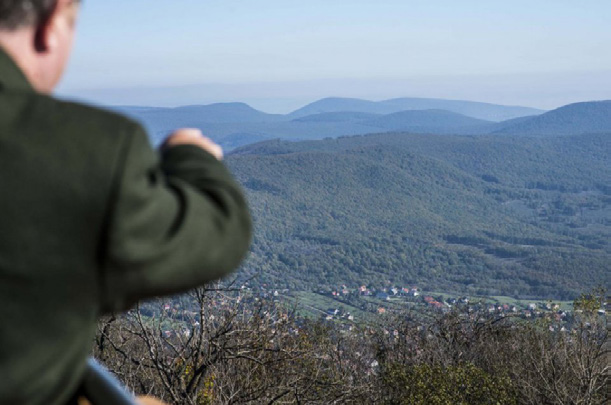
x=92, y=220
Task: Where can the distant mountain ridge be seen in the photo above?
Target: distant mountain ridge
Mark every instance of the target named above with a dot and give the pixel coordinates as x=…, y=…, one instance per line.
x=484, y=111
x=237, y=124
x=338, y=116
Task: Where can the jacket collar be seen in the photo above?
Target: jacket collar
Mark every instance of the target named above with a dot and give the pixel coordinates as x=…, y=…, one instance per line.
x=11, y=77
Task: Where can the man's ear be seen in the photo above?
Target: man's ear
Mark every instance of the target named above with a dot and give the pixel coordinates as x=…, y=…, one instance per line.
x=45, y=38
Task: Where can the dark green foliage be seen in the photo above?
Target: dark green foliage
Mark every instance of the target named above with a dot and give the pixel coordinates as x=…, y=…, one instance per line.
x=498, y=216
x=464, y=385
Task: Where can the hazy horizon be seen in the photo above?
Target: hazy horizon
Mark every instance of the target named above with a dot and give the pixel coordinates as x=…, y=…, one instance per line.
x=278, y=56
x=285, y=97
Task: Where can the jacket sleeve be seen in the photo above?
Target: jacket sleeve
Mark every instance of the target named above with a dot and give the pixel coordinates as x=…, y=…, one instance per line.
x=176, y=222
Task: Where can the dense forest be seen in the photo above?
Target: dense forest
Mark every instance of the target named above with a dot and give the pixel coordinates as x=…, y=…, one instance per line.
x=491, y=215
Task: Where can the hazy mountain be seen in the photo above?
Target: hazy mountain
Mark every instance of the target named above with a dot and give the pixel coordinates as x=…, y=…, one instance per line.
x=237, y=124
x=491, y=215
x=572, y=119
x=485, y=111
x=338, y=104
x=341, y=116
x=162, y=120
x=220, y=112
x=430, y=121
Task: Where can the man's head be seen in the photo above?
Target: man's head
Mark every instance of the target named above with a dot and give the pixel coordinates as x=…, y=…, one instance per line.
x=38, y=35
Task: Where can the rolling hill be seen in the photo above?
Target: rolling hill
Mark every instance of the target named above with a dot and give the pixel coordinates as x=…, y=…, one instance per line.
x=237, y=124
x=339, y=116
x=430, y=121
x=484, y=111
x=572, y=119
x=487, y=215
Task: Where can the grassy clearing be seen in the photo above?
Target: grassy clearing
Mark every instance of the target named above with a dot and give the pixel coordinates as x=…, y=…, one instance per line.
x=316, y=305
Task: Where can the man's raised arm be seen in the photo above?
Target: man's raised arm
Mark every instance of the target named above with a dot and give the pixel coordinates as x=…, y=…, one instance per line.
x=176, y=222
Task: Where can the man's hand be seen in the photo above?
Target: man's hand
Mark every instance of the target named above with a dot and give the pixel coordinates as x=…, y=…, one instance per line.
x=190, y=136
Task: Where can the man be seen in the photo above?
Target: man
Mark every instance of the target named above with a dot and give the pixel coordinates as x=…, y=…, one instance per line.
x=91, y=218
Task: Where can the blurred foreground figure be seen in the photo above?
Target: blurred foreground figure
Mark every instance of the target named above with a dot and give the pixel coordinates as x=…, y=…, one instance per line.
x=92, y=219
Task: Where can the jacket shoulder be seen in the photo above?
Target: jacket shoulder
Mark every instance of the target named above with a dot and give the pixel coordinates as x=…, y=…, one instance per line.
x=94, y=120
x=67, y=120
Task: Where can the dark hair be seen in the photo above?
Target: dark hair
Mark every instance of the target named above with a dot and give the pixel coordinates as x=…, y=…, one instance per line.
x=20, y=13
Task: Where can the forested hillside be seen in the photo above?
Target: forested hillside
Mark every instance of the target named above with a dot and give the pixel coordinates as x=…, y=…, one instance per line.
x=486, y=215
x=572, y=119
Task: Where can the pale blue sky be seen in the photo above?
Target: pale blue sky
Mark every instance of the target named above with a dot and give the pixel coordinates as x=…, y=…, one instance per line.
x=277, y=54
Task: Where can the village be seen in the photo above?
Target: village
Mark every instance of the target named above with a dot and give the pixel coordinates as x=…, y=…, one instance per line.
x=350, y=307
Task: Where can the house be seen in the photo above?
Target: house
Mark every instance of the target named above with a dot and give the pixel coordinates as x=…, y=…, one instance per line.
x=383, y=296
x=381, y=311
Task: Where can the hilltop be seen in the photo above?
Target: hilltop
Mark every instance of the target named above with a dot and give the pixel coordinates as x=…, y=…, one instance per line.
x=572, y=119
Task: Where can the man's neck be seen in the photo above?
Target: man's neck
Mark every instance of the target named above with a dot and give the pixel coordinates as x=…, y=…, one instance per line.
x=19, y=45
